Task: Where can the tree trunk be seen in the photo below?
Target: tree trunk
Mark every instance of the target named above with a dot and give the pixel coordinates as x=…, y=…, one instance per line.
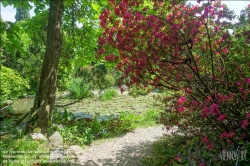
x=45, y=98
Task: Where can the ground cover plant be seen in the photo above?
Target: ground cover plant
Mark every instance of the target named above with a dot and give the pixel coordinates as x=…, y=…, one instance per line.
x=187, y=50
x=74, y=130
x=84, y=131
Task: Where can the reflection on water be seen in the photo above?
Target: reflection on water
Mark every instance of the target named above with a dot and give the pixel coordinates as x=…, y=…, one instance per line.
x=23, y=105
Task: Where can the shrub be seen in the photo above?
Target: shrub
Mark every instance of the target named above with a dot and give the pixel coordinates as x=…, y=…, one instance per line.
x=190, y=51
x=165, y=152
x=78, y=88
x=12, y=85
x=136, y=90
x=96, y=78
x=109, y=80
x=108, y=94
x=17, y=141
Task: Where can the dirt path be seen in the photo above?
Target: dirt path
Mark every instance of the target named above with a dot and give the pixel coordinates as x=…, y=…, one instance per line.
x=128, y=149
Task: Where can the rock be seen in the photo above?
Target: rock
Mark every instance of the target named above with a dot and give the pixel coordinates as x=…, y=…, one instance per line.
x=37, y=136
x=60, y=126
x=75, y=152
x=56, y=140
x=56, y=154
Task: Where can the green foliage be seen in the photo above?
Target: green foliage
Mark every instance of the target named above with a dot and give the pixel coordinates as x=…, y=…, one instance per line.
x=13, y=85
x=77, y=134
x=21, y=14
x=108, y=94
x=127, y=121
x=165, y=152
x=68, y=116
x=16, y=141
x=109, y=80
x=137, y=90
x=31, y=37
x=10, y=39
x=84, y=131
x=79, y=88
x=96, y=78
x=149, y=118
x=24, y=4
x=80, y=40
x=23, y=145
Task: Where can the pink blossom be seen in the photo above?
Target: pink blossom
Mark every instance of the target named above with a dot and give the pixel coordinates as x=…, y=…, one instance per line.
x=223, y=135
x=180, y=109
x=244, y=123
x=238, y=83
x=210, y=146
x=205, y=140
x=177, y=158
x=248, y=115
x=216, y=28
x=204, y=112
x=221, y=117
x=189, y=90
x=225, y=50
x=195, y=103
x=214, y=110
x=181, y=100
x=247, y=80
x=231, y=134
x=202, y=164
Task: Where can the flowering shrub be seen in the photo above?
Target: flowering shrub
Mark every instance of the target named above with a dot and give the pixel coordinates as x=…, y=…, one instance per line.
x=186, y=49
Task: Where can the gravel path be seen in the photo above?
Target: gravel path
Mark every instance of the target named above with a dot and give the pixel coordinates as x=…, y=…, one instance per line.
x=128, y=149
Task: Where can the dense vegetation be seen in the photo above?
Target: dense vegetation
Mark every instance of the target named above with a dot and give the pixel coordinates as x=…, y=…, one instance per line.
x=184, y=51
x=187, y=51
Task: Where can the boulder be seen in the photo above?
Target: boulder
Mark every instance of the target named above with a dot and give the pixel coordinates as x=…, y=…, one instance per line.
x=56, y=140
x=37, y=136
x=56, y=155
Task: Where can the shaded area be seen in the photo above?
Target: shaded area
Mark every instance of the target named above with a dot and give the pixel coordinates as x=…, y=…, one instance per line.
x=129, y=149
x=130, y=155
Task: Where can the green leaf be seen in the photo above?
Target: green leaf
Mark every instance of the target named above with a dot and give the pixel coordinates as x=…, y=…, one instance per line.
x=81, y=20
x=68, y=3
x=10, y=48
x=96, y=7
x=65, y=114
x=5, y=3
x=104, y=2
x=2, y=41
x=96, y=16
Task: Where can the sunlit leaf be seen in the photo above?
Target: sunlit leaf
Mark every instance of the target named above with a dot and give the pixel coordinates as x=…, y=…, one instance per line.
x=96, y=7
x=105, y=2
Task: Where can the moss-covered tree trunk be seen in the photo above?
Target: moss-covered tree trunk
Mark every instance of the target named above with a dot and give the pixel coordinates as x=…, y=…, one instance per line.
x=45, y=98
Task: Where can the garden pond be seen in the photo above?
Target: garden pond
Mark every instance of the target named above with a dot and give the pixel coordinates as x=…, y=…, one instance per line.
x=89, y=107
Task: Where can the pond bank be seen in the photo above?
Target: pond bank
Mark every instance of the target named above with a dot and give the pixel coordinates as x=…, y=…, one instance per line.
x=122, y=102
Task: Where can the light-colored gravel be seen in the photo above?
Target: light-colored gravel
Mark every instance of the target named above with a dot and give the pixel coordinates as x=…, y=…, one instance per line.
x=128, y=149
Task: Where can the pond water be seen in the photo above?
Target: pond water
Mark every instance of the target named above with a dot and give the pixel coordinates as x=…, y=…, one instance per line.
x=23, y=105
x=123, y=102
